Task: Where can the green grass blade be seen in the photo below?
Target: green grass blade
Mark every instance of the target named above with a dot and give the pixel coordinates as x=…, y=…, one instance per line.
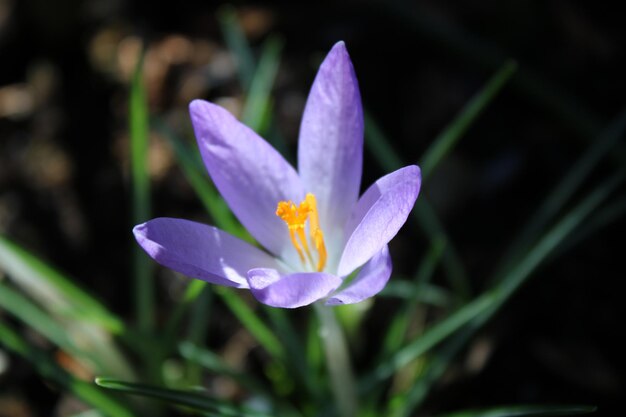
x=451, y=261
x=57, y=293
x=314, y=350
x=404, y=403
x=563, y=191
x=214, y=364
x=82, y=317
x=139, y=142
x=417, y=293
x=557, y=235
x=526, y=411
x=506, y=288
x=250, y=320
x=295, y=353
x=426, y=341
x=379, y=146
x=490, y=302
x=397, y=329
x=35, y=318
x=198, y=330
x=236, y=41
x=48, y=369
x=172, y=326
x=425, y=215
x=447, y=139
x=600, y=219
x=256, y=78
x=257, y=107
x=196, y=400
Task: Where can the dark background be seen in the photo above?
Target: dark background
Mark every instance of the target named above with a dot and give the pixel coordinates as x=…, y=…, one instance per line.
x=64, y=189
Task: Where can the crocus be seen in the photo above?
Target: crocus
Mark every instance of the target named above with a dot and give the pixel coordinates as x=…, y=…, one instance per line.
x=314, y=229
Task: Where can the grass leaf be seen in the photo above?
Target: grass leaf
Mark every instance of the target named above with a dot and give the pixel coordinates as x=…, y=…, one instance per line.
x=140, y=179
x=238, y=45
x=48, y=369
x=192, y=399
x=447, y=139
x=57, y=293
x=66, y=309
x=257, y=108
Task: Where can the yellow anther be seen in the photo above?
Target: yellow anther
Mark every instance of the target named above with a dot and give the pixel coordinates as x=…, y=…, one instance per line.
x=316, y=232
x=295, y=217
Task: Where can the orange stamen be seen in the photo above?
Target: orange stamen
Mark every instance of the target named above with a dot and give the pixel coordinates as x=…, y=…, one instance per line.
x=295, y=217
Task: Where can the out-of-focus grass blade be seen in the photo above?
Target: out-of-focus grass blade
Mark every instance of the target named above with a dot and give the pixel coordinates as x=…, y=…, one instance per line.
x=447, y=139
x=80, y=316
x=599, y=219
x=215, y=364
x=439, y=362
x=563, y=191
x=430, y=338
x=246, y=316
x=417, y=293
x=48, y=369
x=295, y=353
x=314, y=349
x=54, y=291
x=556, y=236
x=489, y=302
x=451, y=261
x=257, y=107
x=22, y=308
x=404, y=403
x=423, y=212
x=172, y=327
x=400, y=323
x=506, y=288
x=379, y=146
x=195, y=400
x=250, y=320
x=236, y=41
x=198, y=329
x=526, y=411
x=139, y=142
x=390, y=161
x=256, y=78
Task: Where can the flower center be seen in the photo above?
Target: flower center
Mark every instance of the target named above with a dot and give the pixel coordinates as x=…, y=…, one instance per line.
x=296, y=217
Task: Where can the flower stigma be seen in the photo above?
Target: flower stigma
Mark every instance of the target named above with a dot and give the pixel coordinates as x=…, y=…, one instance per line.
x=296, y=217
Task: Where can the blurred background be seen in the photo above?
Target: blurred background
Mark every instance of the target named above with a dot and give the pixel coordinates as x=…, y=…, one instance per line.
x=65, y=71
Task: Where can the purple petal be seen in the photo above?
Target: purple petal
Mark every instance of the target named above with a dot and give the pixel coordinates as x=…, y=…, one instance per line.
x=251, y=175
x=371, y=279
x=292, y=290
x=330, y=149
x=201, y=251
x=378, y=216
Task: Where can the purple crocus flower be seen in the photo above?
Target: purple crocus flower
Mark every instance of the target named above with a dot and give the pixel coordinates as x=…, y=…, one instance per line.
x=315, y=229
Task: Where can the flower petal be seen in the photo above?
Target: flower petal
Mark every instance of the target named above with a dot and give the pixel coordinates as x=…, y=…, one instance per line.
x=201, y=251
x=371, y=279
x=330, y=149
x=251, y=175
x=378, y=216
x=292, y=290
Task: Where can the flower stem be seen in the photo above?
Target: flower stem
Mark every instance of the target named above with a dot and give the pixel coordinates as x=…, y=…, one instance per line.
x=337, y=360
